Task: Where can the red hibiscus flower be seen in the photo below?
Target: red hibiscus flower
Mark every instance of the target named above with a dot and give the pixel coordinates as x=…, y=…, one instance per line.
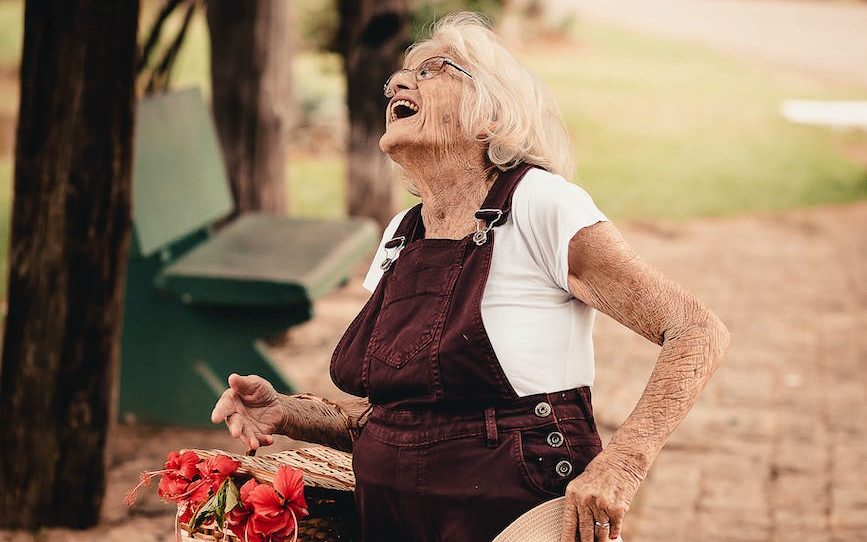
x=237, y=518
x=196, y=494
x=184, y=464
x=289, y=484
x=216, y=469
x=179, y=472
x=276, y=508
x=213, y=472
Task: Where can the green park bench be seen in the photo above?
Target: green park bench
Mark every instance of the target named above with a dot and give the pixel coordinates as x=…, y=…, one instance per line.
x=199, y=301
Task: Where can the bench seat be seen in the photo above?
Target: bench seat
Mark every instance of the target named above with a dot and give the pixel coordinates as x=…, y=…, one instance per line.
x=268, y=260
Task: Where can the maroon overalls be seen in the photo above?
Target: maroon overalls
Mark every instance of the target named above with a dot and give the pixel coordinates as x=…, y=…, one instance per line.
x=450, y=452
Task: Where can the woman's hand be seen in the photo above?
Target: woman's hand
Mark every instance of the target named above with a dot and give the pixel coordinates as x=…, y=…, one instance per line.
x=597, y=500
x=252, y=409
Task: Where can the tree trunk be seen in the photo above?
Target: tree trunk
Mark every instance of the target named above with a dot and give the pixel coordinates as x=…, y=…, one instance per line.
x=374, y=36
x=70, y=231
x=251, y=76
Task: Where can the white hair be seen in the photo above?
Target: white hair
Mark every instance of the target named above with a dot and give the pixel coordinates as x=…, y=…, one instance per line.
x=503, y=104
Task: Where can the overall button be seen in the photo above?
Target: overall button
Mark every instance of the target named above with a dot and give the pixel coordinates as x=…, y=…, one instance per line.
x=563, y=468
x=555, y=439
x=543, y=409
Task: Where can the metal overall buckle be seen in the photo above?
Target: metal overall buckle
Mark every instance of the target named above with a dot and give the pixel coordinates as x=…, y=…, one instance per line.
x=481, y=235
x=395, y=244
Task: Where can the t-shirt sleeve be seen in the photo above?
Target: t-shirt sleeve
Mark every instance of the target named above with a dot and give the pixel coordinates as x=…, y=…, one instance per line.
x=551, y=212
x=374, y=273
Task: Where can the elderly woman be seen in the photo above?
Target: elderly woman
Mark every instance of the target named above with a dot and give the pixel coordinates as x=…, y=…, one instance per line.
x=474, y=353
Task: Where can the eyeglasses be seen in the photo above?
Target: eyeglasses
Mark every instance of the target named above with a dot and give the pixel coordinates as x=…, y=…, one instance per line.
x=427, y=69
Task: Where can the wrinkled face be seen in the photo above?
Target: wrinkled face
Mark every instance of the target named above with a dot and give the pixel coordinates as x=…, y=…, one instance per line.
x=424, y=115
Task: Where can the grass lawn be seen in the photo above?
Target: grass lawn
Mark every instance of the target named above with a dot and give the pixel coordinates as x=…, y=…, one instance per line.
x=661, y=129
x=667, y=130
x=11, y=31
x=664, y=129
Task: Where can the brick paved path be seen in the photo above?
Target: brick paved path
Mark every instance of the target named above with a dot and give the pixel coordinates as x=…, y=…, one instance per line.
x=776, y=447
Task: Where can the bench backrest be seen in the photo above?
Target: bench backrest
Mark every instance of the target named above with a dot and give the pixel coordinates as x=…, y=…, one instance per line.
x=180, y=184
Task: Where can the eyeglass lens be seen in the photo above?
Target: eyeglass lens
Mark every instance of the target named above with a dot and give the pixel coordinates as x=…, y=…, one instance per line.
x=425, y=70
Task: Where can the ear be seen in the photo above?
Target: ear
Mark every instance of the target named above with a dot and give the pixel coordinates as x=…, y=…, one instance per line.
x=488, y=132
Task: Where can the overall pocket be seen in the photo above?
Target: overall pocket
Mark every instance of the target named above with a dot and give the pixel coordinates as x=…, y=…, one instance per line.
x=538, y=460
x=552, y=455
x=414, y=305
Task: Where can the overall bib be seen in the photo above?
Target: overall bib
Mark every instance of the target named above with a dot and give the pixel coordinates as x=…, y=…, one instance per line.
x=450, y=451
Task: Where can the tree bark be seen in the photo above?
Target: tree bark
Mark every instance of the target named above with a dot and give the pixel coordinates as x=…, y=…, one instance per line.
x=70, y=232
x=251, y=76
x=374, y=35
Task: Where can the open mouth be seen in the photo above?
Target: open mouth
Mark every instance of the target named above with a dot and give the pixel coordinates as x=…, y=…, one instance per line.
x=402, y=109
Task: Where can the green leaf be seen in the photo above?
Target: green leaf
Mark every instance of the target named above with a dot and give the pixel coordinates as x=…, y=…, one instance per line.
x=233, y=496
x=219, y=510
x=205, y=511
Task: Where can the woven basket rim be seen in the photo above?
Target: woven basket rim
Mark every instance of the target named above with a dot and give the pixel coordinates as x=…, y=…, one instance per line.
x=323, y=467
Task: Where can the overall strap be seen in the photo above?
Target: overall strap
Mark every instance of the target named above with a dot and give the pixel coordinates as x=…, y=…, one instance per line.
x=498, y=204
x=403, y=235
x=408, y=227
x=500, y=196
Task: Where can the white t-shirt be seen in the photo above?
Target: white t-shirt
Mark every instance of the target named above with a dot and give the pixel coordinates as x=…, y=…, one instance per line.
x=541, y=334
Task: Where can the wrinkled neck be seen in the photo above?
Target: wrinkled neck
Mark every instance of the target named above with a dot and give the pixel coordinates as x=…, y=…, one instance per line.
x=451, y=188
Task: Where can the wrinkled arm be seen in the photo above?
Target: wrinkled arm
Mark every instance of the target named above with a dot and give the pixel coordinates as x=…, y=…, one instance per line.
x=605, y=273
x=335, y=424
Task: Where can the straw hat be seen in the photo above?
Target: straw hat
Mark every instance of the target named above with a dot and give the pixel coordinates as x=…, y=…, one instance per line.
x=539, y=524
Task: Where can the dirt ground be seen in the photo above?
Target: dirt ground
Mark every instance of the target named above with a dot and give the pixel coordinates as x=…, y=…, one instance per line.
x=776, y=447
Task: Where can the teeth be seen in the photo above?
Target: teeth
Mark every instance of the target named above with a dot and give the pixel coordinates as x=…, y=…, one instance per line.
x=406, y=103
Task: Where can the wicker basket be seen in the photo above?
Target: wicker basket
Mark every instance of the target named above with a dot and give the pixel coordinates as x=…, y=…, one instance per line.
x=328, y=480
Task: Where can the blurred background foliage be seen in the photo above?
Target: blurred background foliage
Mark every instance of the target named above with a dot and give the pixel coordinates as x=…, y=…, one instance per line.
x=661, y=129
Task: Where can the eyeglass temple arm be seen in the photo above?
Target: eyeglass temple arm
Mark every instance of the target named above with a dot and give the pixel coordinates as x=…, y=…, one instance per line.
x=452, y=64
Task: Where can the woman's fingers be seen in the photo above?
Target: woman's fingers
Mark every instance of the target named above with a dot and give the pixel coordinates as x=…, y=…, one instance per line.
x=601, y=522
x=597, y=511
x=250, y=388
x=241, y=428
x=616, y=514
x=236, y=425
x=570, y=521
x=601, y=526
x=249, y=437
x=585, y=524
x=239, y=383
x=234, y=406
x=616, y=527
x=225, y=406
x=262, y=439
